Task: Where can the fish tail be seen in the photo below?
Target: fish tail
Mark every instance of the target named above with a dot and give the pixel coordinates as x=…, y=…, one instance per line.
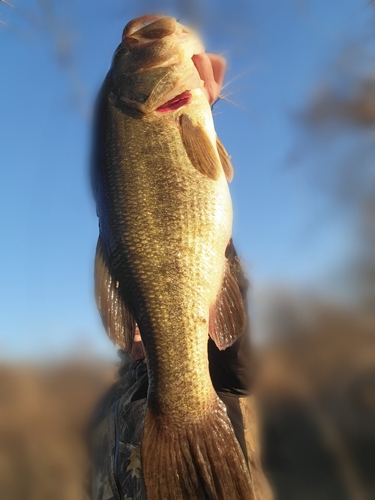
x=194, y=461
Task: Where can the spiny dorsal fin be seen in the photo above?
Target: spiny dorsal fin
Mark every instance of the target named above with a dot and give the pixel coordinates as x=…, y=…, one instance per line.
x=227, y=314
x=117, y=318
x=225, y=160
x=199, y=148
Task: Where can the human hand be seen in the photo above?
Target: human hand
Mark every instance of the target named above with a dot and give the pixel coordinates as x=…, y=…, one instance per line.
x=211, y=69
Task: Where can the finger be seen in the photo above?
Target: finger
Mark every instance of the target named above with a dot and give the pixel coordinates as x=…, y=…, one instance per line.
x=219, y=66
x=206, y=72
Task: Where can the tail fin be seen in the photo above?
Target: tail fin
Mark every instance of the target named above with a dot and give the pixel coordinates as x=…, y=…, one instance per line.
x=195, y=461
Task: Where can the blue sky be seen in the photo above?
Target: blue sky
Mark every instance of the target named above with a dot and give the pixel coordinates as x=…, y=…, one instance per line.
x=277, y=52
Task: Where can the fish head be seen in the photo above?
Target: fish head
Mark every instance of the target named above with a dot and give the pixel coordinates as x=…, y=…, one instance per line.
x=154, y=67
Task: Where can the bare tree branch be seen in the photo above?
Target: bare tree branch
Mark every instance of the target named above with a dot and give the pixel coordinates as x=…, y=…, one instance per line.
x=47, y=21
x=7, y=3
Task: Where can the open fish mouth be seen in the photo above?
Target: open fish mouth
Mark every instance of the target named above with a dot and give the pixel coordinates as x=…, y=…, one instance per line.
x=147, y=28
x=151, y=30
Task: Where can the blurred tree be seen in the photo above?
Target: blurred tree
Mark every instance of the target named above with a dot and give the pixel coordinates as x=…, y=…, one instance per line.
x=53, y=22
x=339, y=122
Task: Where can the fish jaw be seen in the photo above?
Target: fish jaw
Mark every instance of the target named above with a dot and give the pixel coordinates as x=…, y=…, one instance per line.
x=145, y=30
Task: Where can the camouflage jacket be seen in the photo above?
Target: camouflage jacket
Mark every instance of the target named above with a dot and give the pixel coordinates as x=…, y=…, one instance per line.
x=117, y=431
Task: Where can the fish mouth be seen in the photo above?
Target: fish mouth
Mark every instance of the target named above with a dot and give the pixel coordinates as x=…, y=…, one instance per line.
x=147, y=28
x=176, y=102
x=139, y=23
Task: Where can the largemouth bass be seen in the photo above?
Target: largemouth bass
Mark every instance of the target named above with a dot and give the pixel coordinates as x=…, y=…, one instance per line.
x=165, y=215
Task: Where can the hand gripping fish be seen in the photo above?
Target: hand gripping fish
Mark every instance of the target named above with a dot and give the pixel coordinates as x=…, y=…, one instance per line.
x=160, y=182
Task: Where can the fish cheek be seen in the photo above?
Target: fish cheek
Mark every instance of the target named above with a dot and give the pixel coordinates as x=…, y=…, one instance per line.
x=140, y=90
x=162, y=88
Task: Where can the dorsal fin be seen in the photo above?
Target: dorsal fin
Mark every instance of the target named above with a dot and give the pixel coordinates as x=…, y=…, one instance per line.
x=117, y=318
x=199, y=148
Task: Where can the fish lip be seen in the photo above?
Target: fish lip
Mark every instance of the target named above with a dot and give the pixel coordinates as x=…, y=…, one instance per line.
x=139, y=23
x=176, y=102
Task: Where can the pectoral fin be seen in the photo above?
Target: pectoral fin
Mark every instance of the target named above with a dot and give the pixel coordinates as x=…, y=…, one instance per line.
x=199, y=148
x=227, y=315
x=117, y=319
x=225, y=160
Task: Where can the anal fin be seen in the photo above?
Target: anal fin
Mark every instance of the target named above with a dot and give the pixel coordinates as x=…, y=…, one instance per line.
x=117, y=318
x=227, y=314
